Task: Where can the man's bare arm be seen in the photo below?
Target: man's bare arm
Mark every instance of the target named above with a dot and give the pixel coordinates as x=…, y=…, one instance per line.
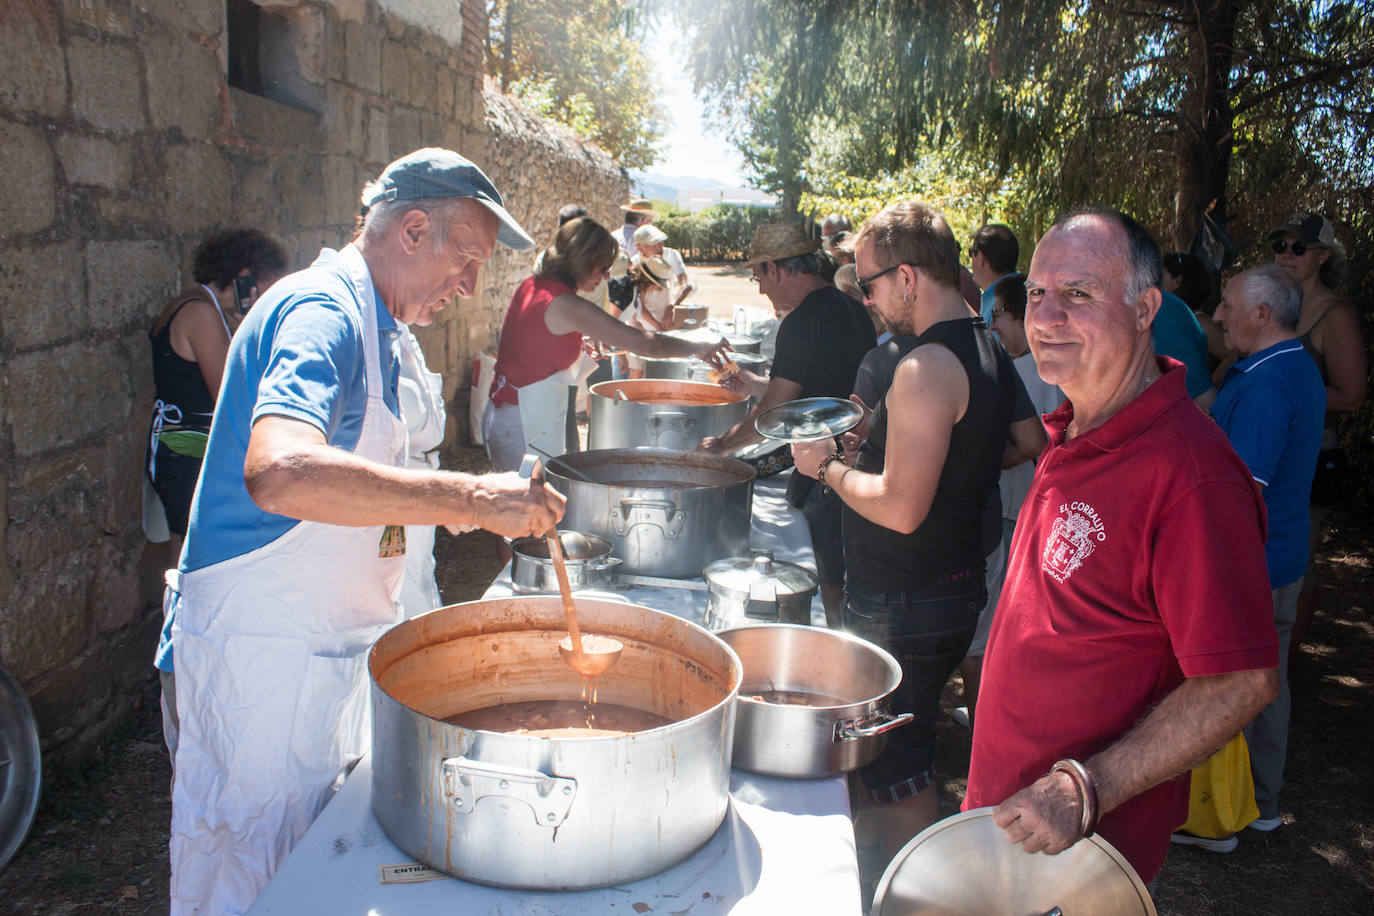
x=1025, y=441
x=779, y=391
x=1186, y=728
x=291, y=470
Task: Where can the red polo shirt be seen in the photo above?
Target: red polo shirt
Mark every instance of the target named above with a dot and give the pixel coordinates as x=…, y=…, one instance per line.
x=529, y=351
x=1138, y=560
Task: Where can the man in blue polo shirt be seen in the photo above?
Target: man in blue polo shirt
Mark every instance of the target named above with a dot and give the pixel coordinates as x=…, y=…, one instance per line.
x=1271, y=406
x=296, y=545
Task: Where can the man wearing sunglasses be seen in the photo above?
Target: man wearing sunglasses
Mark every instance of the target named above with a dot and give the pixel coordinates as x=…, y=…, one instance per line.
x=914, y=496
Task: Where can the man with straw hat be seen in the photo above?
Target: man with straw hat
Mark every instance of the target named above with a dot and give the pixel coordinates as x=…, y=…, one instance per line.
x=822, y=338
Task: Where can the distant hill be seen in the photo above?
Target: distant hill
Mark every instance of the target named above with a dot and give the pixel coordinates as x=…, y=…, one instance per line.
x=693, y=193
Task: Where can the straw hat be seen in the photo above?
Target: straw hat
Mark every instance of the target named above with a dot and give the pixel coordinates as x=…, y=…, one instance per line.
x=640, y=206
x=656, y=269
x=649, y=234
x=776, y=241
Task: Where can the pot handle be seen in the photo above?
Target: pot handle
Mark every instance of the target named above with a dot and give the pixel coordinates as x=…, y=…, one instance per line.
x=879, y=722
x=467, y=781
x=607, y=563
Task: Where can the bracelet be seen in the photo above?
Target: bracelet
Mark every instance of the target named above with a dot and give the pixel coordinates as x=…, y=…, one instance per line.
x=1087, y=792
x=820, y=472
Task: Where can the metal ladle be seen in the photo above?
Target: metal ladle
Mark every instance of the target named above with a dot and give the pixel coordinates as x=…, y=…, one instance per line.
x=591, y=655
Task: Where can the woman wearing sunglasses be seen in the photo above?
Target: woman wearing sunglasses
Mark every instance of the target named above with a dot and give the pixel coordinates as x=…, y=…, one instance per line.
x=1329, y=327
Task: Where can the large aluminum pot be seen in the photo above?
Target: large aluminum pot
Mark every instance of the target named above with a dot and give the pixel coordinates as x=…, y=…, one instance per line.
x=814, y=702
x=588, y=561
x=691, y=369
x=657, y=413
x=550, y=813
x=665, y=513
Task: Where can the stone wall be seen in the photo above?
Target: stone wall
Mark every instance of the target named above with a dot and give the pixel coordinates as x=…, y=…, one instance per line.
x=123, y=145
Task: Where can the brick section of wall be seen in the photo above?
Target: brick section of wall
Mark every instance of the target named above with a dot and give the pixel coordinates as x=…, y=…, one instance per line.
x=132, y=147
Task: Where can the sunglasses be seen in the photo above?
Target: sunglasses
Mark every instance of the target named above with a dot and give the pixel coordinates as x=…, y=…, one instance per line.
x=1298, y=246
x=864, y=285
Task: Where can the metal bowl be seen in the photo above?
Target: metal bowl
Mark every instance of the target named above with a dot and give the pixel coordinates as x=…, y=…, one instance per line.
x=965, y=866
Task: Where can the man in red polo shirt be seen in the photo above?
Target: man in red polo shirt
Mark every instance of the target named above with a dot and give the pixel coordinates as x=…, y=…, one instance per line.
x=1135, y=629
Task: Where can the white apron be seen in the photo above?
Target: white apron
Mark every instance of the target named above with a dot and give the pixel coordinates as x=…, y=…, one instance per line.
x=543, y=414
x=272, y=680
x=421, y=395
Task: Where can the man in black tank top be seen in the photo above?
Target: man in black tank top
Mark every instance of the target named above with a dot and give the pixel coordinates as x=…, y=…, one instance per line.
x=912, y=529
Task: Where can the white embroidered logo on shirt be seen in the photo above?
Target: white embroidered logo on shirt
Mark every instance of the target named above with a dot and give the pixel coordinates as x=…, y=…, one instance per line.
x=1071, y=540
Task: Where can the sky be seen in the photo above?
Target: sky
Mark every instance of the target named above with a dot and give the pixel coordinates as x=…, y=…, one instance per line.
x=690, y=149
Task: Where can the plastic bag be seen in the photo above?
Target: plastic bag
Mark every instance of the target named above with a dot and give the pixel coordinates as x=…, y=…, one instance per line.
x=1222, y=799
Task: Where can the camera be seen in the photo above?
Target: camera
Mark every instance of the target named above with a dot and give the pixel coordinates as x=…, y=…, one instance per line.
x=245, y=285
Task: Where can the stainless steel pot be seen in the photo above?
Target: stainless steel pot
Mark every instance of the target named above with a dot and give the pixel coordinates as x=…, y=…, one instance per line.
x=532, y=570
x=742, y=343
x=845, y=682
x=758, y=589
x=691, y=369
x=665, y=513
x=658, y=413
x=549, y=813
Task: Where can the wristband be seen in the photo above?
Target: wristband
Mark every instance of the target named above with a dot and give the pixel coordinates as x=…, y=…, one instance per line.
x=820, y=472
x=1087, y=792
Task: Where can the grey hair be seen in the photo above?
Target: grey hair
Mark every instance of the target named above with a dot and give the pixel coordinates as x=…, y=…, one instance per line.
x=1146, y=262
x=1271, y=285
x=380, y=216
x=802, y=264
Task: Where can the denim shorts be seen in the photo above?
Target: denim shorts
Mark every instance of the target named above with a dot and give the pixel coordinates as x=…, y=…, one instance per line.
x=928, y=632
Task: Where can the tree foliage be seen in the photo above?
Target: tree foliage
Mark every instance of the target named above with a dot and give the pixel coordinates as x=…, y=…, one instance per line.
x=1157, y=106
x=583, y=68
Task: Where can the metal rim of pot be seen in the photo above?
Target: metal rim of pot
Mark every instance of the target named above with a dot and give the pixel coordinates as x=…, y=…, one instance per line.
x=759, y=587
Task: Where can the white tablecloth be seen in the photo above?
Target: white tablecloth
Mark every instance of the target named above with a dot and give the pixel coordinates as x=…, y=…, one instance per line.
x=786, y=846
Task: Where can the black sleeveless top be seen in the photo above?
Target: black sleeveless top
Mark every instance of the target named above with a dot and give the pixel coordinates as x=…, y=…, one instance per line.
x=178, y=381
x=879, y=560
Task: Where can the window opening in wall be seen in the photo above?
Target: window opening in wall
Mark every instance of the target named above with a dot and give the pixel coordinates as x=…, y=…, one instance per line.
x=277, y=50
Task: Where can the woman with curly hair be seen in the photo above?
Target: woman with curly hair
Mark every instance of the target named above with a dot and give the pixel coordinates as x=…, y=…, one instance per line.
x=190, y=340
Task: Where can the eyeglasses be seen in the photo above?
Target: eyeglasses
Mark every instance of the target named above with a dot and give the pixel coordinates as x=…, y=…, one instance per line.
x=864, y=285
x=1298, y=245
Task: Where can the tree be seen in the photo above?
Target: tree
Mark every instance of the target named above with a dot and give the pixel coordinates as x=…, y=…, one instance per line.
x=586, y=70
x=1159, y=106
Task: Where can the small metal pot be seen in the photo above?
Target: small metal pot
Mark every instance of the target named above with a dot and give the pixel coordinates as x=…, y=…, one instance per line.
x=739, y=342
x=758, y=589
x=532, y=570
x=845, y=683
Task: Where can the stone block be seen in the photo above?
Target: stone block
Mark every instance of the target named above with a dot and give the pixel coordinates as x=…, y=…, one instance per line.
x=395, y=72
x=257, y=197
x=405, y=132
x=443, y=91
x=378, y=140
x=54, y=515
x=303, y=187
x=198, y=188
x=6, y=574
x=71, y=393
x=184, y=86
x=199, y=17
x=344, y=121
x=338, y=51
x=109, y=16
x=262, y=121
x=114, y=594
x=41, y=291
x=107, y=84
x=35, y=66
x=363, y=49
x=44, y=623
x=342, y=188
x=129, y=282
x=29, y=205
x=125, y=455
x=422, y=93
x=95, y=161
x=72, y=697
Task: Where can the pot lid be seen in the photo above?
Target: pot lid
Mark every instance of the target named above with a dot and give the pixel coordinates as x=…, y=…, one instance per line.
x=965, y=865
x=706, y=335
x=759, y=577
x=809, y=419
x=21, y=767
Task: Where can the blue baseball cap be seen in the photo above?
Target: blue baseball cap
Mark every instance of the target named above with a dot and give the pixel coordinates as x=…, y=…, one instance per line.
x=434, y=173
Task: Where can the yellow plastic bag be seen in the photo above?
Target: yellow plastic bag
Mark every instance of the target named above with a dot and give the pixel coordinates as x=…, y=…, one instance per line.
x=1222, y=799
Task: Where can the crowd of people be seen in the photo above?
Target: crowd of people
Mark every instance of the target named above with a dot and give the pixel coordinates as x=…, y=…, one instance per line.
x=1037, y=494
